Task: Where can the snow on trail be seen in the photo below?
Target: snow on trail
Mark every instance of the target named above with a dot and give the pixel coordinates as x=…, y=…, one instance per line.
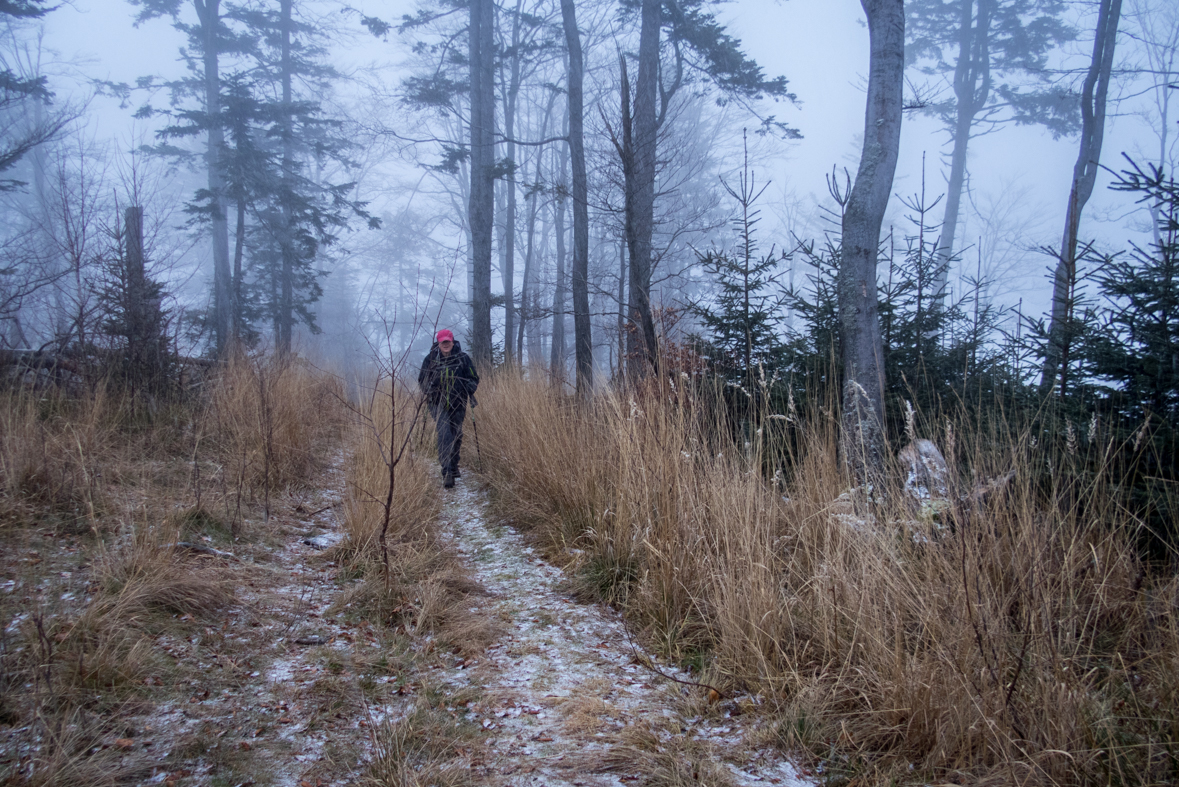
x=565, y=695
x=289, y=692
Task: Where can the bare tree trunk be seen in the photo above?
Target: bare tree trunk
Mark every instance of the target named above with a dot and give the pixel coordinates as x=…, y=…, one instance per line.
x=236, y=290
x=508, y=246
x=525, y=289
x=142, y=324
x=481, y=208
x=862, y=439
x=582, y=340
x=535, y=340
x=1093, y=96
x=640, y=191
x=623, y=309
x=286, y=305
x=529, y=284
x=209, y=14
x=972, y=88
x=557, y=355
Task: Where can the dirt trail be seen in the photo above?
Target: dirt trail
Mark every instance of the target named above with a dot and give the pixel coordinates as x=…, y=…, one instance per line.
x=289, y=689
x=566, y=695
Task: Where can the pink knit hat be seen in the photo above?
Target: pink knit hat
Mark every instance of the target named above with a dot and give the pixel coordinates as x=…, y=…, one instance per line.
x=444, y=335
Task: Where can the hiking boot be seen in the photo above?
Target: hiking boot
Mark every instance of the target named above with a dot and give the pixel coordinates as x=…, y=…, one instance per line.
x=448, y=480
x=455, y=472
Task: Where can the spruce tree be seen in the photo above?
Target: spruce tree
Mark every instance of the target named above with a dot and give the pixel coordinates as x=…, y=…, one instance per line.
x=1139, y=347
x=744, y=317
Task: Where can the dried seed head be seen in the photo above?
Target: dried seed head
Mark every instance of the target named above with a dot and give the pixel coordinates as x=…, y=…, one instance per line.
x=1141, y=434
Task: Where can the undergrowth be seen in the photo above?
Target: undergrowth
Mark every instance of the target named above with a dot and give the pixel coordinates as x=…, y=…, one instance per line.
x=1012, y=634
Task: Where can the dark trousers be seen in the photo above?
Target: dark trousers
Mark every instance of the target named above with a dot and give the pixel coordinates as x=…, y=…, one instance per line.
x=449, y=424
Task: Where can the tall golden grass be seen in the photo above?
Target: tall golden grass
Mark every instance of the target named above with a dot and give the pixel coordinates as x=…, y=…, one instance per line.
x=52, y=451
x=264, y=421
x=1016, y=638
x=270, y=417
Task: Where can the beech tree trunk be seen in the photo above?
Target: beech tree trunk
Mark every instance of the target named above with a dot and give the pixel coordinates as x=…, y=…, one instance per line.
x=527, y=287
x=582, y=340
x=481, y=208
x=508, y=249
x=862, y=438
x=1093, y=97
x=534, y=336
x=530, y=284
x=623, y=309
x=557, y=351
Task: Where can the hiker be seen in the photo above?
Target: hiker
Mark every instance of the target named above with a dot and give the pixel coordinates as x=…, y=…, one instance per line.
x=448, y=380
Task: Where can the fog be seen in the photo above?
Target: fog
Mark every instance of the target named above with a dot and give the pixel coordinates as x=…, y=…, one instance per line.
x=393, y=284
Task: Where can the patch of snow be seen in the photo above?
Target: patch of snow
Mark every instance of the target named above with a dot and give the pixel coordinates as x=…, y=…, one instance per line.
x=17, y=619
x=324, y=540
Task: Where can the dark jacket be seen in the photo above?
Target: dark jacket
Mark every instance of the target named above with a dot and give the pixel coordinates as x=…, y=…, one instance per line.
x=448, y=380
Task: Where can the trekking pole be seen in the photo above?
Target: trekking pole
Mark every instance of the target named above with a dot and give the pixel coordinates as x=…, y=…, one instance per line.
x=475, y=429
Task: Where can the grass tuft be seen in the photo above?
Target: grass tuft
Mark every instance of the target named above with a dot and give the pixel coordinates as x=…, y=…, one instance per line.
x=423, y=748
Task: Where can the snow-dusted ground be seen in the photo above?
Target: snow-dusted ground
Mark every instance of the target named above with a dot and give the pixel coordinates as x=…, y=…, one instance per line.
x=289, y=691
x=566, y=694
x=271, y=719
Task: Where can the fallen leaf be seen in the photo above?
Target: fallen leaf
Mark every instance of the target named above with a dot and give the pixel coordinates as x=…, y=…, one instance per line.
x=124, y=743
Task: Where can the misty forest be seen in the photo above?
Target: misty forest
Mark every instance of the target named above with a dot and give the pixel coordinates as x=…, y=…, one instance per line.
x=817, y=416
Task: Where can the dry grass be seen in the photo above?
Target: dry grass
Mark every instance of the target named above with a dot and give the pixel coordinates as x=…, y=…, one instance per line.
x=73, y=752
x=664, y=760
x=414, y=504
x=425, y=748
x=90, y=665
x=586, y=713
x=51, y=457
x=262, y=423
x=269, y=418
x=105, y=646
x=412, y=578
x=1020, y=640
x=95, y=492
